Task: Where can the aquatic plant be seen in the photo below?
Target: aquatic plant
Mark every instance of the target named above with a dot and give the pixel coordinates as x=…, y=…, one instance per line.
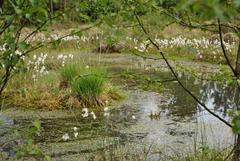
x=31, y=149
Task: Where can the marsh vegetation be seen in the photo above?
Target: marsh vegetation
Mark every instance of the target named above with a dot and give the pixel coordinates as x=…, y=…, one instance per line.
x=119, y=80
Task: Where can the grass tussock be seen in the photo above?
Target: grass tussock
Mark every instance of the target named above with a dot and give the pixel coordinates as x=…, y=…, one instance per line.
x=80, y=86
x=89, y=89
x=68, y=73
x=89, y=86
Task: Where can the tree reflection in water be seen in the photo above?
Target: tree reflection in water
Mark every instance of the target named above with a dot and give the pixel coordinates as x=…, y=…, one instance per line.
x=217, y=96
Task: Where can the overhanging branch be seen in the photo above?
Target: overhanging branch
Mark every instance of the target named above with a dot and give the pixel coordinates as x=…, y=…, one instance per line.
x=224, y=50
x=176, y=77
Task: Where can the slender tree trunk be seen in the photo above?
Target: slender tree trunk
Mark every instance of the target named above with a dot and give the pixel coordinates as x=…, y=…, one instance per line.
x=1, y=3
x=237, y=68
x=51, y=7
x=65, y=5
x=236, y=154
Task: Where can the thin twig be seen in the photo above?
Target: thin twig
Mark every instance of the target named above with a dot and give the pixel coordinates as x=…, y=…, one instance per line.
x=144, y=56
x=183, y=23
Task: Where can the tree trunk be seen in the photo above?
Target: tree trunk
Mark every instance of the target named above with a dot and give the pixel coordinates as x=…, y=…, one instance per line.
x=237, y=68
x=236, y=154
x=65, y=5
x=1, y=3
x=51, y=7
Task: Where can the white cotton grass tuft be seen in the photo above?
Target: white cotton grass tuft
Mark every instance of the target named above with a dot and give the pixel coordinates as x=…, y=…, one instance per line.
x=106, y=102
x=133, y=117
x=65, y=137
x=106, y=112
x=93, y=115
x=105, y=109
x=75, y=134
x=85, y=112
x=200, y=44
x=75, y=128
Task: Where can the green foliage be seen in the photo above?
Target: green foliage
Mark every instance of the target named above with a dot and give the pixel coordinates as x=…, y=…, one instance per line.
x=209, y=9
x=86, y=82
x=236, y=121
x=205, y=153
x=30, y=149
x=92, y=10
x=89, y=86
x=70, y=71
x=167, y=3
x=15, y=16
x=147, y=83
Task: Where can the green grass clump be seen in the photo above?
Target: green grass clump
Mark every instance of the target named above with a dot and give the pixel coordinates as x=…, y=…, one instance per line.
x=88, y=86
x=69, y=72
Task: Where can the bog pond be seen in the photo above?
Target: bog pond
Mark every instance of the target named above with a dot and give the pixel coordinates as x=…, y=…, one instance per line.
x=148, y=124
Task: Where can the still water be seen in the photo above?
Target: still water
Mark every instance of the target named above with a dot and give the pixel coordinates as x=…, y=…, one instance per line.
x=147, y=124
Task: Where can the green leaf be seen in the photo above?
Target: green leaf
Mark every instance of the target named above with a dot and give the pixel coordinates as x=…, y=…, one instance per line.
x=236, y=124
x=9, y=19
x=28, y=16
x=33, y=2
x=56, y=43
x=77, y=33
x=23, y=46
x=237, y=3
x=18, y=11
x=47, y=158
x=37, y=124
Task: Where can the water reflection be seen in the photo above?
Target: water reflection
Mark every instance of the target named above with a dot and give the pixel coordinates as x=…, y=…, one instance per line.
x=218, y=97
x=215, y=95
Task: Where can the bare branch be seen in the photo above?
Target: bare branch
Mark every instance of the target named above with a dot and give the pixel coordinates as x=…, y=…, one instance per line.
x=183, y=23
x=144, y=56
x=176, y=77
x=223, y=49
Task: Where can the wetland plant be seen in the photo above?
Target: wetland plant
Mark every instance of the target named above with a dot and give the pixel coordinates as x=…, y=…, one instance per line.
x=89, y=86
x=68, y=73
x=89, y=89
